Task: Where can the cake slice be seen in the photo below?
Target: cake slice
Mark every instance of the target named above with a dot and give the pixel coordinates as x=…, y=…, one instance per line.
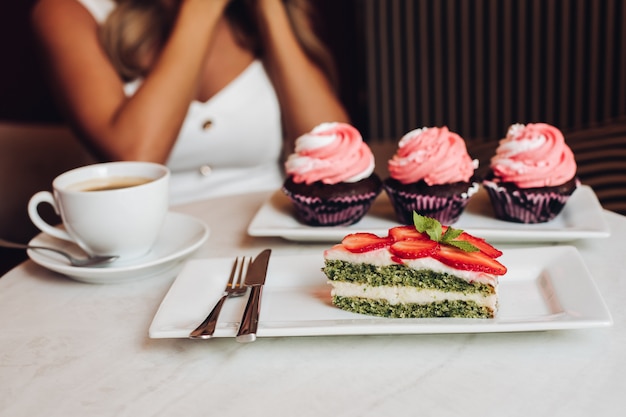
x=426, y=270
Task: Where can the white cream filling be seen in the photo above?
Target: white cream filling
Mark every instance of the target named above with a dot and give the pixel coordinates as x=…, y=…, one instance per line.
x=406, y=295
x=382, y=257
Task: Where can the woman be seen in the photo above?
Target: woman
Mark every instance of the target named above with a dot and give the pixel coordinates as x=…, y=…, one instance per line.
x=209, y=87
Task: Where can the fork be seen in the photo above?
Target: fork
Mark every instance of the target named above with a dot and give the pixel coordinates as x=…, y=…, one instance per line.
x=234, y=288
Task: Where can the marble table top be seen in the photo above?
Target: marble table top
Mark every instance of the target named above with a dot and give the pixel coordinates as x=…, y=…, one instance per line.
x=69, y=348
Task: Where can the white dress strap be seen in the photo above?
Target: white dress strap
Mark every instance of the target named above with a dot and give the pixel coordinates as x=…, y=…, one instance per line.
x=99, y=9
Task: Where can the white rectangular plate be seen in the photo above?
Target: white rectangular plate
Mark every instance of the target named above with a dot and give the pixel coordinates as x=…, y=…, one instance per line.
x=554, y=291
x=581, y=218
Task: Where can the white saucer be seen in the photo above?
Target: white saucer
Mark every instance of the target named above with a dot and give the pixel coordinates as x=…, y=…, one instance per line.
x=180, y=236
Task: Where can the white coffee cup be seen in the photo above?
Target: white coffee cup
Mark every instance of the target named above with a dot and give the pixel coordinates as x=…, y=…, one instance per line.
x=115, y=208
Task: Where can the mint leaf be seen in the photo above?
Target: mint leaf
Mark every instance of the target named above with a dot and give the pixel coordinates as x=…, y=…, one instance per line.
x=433, y=228
x=463, y=245
x=451, y=234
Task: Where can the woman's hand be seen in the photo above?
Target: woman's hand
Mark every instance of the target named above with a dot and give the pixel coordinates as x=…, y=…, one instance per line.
x=305, y=93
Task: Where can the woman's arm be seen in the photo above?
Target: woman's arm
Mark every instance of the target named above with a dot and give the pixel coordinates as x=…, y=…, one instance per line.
x=305, y=94
x=146, y=125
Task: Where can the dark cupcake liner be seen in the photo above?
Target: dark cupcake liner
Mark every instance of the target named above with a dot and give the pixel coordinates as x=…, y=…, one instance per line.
x=526, y=206
x=446, y=209
x=336, y=211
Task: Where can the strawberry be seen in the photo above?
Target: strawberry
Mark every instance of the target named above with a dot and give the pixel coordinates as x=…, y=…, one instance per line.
x=406, y=233
x=337, y=247
x=413, y=249
x=469, y=261
x=481, y=244
x=364, y=242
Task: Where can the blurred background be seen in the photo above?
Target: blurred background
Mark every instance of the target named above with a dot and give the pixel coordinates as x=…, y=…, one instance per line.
x=476, y=66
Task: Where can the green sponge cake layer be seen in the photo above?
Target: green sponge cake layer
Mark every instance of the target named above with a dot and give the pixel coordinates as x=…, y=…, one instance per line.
x=401, y=275
x=400, y=291
x=445, y=308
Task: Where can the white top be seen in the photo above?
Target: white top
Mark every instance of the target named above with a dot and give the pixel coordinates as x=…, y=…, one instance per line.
x=229, y=144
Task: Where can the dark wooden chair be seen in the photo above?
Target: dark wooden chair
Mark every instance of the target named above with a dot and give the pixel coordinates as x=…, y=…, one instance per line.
x=30, y=157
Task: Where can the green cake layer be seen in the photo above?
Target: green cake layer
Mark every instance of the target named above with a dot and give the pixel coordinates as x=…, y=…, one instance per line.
x=447, y=308
x=400, y=275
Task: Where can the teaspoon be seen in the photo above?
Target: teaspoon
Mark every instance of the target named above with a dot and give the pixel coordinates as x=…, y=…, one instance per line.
x=89, y=261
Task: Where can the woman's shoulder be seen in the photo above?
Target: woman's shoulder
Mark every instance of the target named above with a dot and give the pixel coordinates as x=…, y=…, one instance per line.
x=56, y=22
x=59, y=12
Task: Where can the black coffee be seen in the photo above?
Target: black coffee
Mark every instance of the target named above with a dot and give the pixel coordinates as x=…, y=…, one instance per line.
x=110, y=183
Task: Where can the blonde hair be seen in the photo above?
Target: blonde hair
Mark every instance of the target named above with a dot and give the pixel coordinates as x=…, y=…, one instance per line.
x=137, y=29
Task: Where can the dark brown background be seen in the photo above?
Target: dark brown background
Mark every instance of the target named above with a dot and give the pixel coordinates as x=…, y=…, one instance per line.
x=24, y=94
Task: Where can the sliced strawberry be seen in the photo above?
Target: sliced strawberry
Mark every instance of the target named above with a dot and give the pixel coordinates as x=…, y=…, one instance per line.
x=337, y=247
x=469, y=261
x=481, y=244
x=413, y=249
x=364, y=242
x=406, y=233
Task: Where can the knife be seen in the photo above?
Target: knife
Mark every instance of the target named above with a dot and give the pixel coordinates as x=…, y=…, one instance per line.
x=255, y=278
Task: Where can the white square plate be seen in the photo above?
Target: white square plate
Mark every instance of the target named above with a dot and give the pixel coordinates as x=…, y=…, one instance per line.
x=581, y=218
x=554, y=291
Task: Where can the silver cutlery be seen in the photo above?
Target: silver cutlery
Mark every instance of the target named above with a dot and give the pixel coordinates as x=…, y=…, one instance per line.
x=255, y=278
x=81, y=262
x=234, y=288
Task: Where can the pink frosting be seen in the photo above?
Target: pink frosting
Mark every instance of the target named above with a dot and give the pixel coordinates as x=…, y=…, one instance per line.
x=435, y=155
x=330, y=153
x=534, y=155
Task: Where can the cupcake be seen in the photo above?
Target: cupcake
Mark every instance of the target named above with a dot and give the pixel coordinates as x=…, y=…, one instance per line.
x=330, y=176
x=431, y=173
x=532, y=174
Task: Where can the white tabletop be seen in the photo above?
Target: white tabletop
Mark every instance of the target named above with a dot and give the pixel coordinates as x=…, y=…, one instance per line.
x=74, y=349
